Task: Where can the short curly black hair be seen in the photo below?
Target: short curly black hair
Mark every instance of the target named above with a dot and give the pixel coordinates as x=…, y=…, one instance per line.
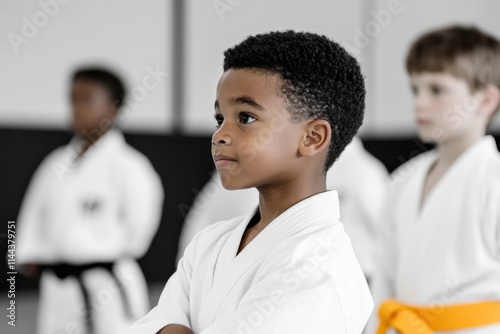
x=110, y=81
x=319, y=79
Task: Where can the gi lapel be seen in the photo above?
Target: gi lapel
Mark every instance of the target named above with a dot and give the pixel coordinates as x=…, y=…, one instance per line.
x=320, y=207
x=457, y=173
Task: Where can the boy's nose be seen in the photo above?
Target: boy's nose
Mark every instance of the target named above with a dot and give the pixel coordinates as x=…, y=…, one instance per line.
x=221, y=137
x=419, y=101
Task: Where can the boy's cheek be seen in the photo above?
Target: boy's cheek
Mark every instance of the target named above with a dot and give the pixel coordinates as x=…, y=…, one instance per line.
x=246, y=152
x=277, y=124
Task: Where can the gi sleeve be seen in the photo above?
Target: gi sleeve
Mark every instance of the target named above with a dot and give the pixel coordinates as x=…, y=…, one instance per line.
x=173, y=306
x=30, y=243
x=141, y=207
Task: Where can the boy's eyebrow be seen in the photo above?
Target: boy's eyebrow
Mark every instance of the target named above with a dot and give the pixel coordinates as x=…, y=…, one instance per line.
x=248, y=101
x=243, y=100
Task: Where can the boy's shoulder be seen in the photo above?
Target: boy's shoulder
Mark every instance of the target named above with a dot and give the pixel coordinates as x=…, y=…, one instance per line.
x=126, y=151
x=491, y=154
x=482, y=160
x=482, y=164
x=324, y=254
x=57, y=158
x=130, y=159
x=325, y=248
x=487, y=166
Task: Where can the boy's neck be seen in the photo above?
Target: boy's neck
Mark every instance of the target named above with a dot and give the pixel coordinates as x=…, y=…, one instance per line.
x=449, y=151
x=88, y=141
x=276, y=199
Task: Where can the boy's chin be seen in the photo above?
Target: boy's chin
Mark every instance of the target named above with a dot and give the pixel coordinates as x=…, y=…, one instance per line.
x=232, y=186
x=429, y=136
x=233, y=183
x=426, y=139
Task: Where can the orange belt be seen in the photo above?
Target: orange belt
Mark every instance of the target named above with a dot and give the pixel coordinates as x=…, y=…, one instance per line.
x=426, y=319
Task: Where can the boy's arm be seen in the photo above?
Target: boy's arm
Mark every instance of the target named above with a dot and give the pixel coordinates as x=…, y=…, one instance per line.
x=175, y=329
x=141, y=206
x=174, y=305
x=30, y=244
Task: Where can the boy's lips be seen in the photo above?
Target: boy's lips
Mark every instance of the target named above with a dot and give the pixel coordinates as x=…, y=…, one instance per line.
x=423, y=121
x=223, y=160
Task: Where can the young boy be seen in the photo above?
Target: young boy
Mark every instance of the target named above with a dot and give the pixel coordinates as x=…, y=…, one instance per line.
x=441, y=235
x=91, y=209
x=287, y=104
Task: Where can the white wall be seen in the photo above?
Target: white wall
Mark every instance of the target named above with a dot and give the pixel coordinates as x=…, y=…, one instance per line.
x=129, y=36
x=213, y=26
x=135, y=37
x=379, y=41
x=393, y=105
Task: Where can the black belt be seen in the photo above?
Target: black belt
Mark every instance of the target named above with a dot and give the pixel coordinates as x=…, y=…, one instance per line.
x=63, y=270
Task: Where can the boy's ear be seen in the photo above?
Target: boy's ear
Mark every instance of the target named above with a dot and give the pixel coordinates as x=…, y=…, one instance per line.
x=114, y=107
x=490, y=100
x=317, y=137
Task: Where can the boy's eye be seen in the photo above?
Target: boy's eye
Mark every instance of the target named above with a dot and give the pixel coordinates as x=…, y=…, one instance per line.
x=219, y=119
x=247, y=118
x=436, y=90
x=414, y=90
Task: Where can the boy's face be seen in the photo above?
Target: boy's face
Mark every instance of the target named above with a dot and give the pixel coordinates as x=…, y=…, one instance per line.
x=255, y=142
x=444, y=106
x=92, y=107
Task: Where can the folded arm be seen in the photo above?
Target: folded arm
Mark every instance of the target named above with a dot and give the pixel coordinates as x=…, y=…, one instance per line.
x=175, y=329
x=172, y=314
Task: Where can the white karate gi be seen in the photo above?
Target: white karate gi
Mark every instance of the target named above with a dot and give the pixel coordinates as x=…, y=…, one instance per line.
x=447, y=252
x=214, y=204
x=299, y=275
x=103, y=207
x=359, y=178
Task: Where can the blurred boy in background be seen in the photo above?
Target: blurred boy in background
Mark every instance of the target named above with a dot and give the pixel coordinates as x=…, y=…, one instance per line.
x=92, y=208
x=439, y=265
